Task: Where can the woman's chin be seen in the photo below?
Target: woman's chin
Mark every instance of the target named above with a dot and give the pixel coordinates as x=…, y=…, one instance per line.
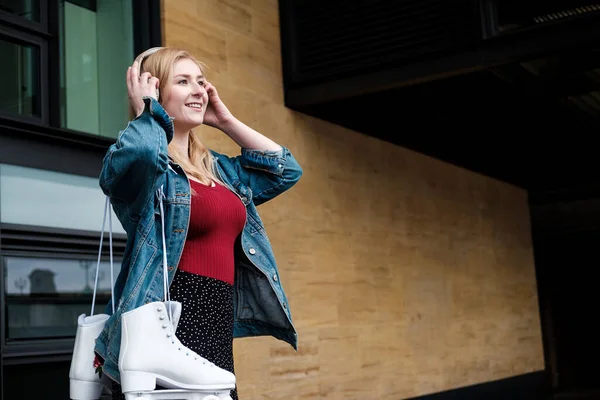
x=190, y=123
x=195, y=119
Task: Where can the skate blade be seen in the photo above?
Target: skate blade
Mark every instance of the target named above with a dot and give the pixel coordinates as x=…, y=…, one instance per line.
x=178, y=394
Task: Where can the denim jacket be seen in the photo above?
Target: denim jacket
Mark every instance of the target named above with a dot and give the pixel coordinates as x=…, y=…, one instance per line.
x=137, y=174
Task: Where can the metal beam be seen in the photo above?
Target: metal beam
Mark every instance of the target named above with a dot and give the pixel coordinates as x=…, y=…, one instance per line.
x=490, y=53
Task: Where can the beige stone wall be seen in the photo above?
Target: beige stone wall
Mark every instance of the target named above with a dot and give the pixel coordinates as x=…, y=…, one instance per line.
x=406, y=275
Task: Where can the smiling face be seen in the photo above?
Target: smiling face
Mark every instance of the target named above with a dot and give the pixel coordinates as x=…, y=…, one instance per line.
x=185, y=98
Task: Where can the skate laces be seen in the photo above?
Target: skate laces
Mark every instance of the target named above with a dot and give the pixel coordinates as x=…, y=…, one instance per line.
x=167, y=294
x=166, y=291
x=110, y=230
x=188, y=352
x=170, y=326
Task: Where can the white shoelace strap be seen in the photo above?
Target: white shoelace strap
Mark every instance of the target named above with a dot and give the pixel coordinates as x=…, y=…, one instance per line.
x=167, y=292
x=161, y=196
x=112, y=291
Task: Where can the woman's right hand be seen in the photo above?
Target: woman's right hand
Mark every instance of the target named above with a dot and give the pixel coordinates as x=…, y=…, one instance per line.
x=139, y=87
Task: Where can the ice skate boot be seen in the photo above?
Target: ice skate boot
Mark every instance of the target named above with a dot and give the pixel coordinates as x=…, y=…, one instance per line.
x=151, y=354
x=85, y=384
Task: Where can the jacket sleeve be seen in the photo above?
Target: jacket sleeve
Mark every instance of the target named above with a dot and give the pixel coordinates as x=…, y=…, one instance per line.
x=266, y=173
x=135, y=165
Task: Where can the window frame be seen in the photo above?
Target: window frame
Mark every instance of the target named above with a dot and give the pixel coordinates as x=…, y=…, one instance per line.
x=26, y=38
x=18, y=240
x=147, y=33
x=40, y=26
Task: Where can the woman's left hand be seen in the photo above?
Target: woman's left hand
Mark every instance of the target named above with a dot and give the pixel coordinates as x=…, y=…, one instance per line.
x=217, y=115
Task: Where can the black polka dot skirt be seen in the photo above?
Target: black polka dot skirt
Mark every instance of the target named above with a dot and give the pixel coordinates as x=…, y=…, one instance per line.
x=206, y=322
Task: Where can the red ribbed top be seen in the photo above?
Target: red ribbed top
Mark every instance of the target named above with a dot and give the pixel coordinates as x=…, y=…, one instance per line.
x=217, y=217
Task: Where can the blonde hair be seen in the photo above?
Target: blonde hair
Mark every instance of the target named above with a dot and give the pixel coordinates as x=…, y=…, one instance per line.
x=159, y=62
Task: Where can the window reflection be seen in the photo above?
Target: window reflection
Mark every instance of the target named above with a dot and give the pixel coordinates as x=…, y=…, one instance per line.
x=20, y=78
x=97, y=47
x=45, y=296
x=30, y=196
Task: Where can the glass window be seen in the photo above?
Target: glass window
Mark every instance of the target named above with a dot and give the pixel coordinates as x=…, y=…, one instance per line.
x=19, y=69
x=44, y=296
x=37, y=197
x=28, y=9
x=96, y=49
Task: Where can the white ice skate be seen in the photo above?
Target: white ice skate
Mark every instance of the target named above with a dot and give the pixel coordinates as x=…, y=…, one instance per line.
x=85, y=384
x=152, y=355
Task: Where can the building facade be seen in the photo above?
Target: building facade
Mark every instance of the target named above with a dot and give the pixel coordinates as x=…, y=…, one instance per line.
x=406, y=275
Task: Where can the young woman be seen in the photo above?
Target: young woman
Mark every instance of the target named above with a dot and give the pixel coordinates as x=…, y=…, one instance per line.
x=220, y=262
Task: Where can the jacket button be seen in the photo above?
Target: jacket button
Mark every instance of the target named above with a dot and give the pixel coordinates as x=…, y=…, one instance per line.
x=285, y=306
x=275, y=277
x=252, y=251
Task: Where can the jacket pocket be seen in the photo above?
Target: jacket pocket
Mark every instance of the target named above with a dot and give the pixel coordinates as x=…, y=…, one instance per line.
x=256, y=227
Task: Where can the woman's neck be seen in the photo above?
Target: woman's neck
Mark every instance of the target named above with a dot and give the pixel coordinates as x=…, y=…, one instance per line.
x=181, y=142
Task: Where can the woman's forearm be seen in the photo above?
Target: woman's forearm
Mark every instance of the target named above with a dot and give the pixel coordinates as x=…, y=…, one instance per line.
x=248, y=138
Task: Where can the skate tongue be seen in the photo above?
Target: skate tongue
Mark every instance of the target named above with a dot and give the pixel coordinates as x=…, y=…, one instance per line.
x=174, y=310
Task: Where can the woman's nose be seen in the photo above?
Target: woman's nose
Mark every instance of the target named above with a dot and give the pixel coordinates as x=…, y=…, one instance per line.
x=198, y=89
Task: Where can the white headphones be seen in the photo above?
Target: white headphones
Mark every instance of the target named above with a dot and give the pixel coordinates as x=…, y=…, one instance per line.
x=140, y=59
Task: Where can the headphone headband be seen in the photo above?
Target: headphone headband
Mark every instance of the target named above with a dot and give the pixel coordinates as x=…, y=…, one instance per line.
x=140, y=58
